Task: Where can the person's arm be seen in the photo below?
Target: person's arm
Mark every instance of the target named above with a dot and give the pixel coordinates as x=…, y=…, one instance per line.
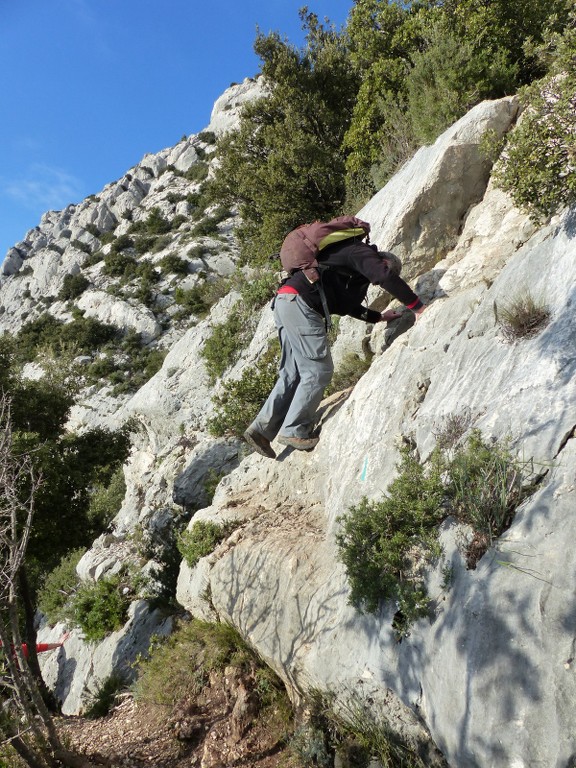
x=378, y=272
x=41, y=647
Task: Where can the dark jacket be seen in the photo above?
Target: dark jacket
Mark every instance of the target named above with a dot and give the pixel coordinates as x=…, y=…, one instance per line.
x=351, y=267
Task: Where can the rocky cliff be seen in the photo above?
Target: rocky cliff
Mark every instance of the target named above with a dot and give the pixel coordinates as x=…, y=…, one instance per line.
x=489, y=672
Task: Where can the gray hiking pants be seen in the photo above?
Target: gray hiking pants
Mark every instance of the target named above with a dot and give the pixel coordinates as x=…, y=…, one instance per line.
x=306, y=368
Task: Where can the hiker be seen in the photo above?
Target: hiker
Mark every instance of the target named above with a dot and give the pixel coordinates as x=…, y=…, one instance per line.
x=348, y=267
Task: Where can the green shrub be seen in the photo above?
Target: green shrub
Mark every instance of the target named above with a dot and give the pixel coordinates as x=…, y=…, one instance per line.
x=99, y=608
x=118, y=264
x=364, y=734
x=211, y=482
x=383, y=545
x=537, y=166
x=107, y=237
x=59, y=588
x=41, y=332
x=93, y=230
x=80, y=246
x=106, y=500
x=309, y=744
x=523, y=317
x=145, y=243
x=142, y=365
x=174, y=264
x=202, y=539
x=147, y=272
x=206, y=227
x=177, y=221
x=94, y=258
x=73, y=286
x=192, y=300
x=87, y=333
x=178, y=667
x=240, y=400
x=122, y=243
x=486, y=485
x=45, y=332
x=229, y=338
x=154, y=224
x=208, y=137
x=256, y=292
x=197, y=172
x=102, y=701
x=223, y=348
x=451, y=75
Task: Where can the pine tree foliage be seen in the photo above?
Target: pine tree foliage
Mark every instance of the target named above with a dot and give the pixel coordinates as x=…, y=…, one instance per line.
x=286, y=163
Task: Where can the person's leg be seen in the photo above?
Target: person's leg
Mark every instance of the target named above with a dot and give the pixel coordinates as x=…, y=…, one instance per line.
x=274, y=410
x=306, y=333
x=265, y=426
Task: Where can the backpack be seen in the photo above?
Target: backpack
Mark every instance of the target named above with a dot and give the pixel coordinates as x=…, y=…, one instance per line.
x=302, y=246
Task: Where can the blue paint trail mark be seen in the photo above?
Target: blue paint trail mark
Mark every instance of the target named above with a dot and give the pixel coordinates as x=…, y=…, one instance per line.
x=364, y=470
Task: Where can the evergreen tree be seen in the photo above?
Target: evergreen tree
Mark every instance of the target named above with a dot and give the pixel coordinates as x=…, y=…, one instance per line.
x=286, y=165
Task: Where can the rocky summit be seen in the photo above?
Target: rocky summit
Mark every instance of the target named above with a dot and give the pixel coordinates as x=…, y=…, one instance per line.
x=487, y=677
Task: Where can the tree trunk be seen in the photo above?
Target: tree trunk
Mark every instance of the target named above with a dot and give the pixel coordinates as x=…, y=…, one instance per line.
x=30, y=637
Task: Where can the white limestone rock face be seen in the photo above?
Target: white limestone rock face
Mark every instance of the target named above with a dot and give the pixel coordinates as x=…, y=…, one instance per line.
x=183, y=155
x=119, y=313
x=77, y=671
x=491, y=671
x=178, y=397
x=12, y=262
x=418, y=215
x=226, y=111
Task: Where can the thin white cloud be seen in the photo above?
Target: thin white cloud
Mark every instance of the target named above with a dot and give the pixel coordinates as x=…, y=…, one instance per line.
x=43, y=186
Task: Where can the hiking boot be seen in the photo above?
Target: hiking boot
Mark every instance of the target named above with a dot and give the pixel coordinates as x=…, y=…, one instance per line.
x=260, y=443
x=300, y=443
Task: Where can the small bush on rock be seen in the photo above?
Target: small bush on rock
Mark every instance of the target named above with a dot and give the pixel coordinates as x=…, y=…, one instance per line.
x=523, y=317
x=59, y=587
x=202, y=539
x=174, y=264
x=486, y=485
x=349, y=372
x=99, y=608
x=537, y=166
x=240, y=399
x=197, y=660
x=384, y=544
x=229, y=338
x=73, y=286
x=106, y=500
x=223, y=348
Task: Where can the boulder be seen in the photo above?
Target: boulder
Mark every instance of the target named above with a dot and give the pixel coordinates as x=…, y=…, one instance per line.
x=76, y=671
x=226, y=111
x=419, y=214
x=119, y=313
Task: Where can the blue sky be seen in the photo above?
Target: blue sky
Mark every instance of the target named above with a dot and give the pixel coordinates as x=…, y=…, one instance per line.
x=88, y=87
